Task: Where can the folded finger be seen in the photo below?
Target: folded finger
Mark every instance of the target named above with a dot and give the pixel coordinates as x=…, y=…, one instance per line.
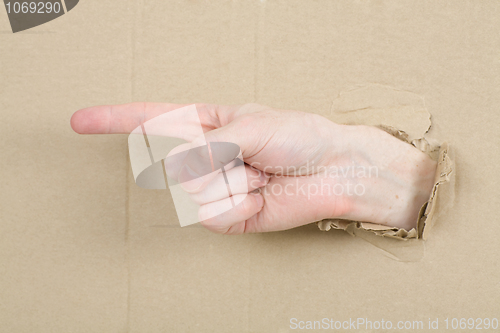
x=238, y=180
x=214, y=217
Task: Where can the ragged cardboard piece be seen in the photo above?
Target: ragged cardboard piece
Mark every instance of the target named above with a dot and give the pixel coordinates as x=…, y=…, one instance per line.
x=404, y=115
x=425, y=219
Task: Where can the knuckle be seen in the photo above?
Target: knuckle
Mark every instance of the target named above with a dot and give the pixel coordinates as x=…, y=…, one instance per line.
x=252, y=107
x=246, y=120
x=212, y=228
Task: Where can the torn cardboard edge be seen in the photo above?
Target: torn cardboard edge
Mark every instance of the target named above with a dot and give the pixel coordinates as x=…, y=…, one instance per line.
x=444, y=171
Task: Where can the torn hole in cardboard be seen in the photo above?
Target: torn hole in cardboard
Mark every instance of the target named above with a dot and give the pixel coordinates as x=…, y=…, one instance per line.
x=404, y=115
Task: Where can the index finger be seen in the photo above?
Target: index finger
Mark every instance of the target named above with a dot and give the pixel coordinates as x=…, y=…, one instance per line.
x=123, y=119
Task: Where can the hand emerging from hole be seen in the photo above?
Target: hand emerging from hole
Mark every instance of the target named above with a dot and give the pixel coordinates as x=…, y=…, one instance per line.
x=300, y=167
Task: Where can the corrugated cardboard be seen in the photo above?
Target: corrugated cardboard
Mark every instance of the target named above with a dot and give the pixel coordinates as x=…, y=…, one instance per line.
x=83, y=249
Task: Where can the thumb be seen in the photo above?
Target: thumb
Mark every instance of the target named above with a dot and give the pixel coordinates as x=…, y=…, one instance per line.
x=249, y=132
x=244, y=126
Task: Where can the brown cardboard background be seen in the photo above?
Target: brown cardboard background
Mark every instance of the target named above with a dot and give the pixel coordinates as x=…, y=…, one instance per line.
x=80, y=245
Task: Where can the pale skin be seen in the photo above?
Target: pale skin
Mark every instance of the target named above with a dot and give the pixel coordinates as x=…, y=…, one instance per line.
x=273, y=142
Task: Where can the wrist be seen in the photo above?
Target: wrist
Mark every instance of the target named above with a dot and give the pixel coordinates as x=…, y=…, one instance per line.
x=335, y=179
x=384, y=180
